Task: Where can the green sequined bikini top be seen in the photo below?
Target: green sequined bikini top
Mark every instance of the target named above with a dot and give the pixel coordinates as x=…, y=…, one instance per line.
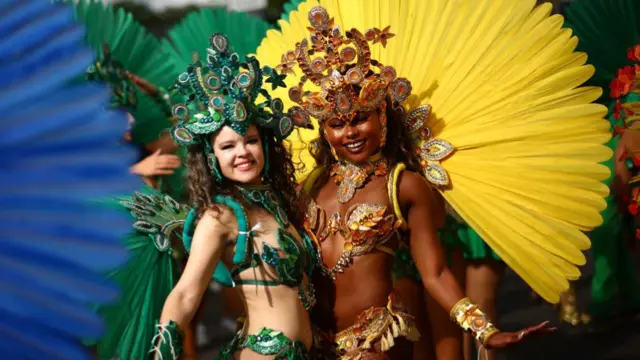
x=290, y=269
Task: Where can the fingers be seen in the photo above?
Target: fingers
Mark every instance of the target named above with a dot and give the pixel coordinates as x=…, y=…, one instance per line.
x=168, y=162
x=537, y=327
x=162, y=172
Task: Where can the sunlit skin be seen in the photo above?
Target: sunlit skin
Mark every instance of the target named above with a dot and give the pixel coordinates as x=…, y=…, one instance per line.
x=368, y=280
x=241, y=160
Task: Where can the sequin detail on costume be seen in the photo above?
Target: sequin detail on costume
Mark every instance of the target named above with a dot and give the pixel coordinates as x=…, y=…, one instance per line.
x=366, y=226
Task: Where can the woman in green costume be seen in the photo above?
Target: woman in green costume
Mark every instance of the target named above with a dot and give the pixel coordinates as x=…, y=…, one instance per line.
x=244, y=228
x=188, y=40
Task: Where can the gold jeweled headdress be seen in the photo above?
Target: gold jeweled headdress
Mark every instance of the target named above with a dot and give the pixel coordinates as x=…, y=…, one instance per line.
x=349, y=80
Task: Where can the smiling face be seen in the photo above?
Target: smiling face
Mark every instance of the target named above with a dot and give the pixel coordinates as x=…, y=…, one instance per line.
x=240, y=158
x=355, y=141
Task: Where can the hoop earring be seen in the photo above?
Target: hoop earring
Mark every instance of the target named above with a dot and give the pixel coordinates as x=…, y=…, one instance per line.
x=383, y=123
x=212, y=161
x=265, y=150
x=333, y=152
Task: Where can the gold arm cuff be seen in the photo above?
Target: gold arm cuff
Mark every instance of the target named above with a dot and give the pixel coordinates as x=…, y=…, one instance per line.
x=456, y=307
x=470, y=318
x=484, y=336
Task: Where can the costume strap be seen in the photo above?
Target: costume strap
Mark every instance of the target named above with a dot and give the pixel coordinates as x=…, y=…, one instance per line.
x=222, y=274
x=392, y=190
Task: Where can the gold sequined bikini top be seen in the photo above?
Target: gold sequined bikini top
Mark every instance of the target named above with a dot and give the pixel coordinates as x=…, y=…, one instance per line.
x=365, y=226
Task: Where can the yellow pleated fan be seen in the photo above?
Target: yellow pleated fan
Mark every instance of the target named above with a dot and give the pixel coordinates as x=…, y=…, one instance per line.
x=503, y=82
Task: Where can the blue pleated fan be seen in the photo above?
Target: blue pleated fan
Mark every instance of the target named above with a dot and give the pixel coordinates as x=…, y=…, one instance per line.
x=60, y=155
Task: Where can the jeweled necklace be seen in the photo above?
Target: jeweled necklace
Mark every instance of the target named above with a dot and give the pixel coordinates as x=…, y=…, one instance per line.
x=349, y=176
x=265, y=197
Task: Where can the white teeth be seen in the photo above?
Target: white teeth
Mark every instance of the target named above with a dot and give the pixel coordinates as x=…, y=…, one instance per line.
x=244, y=166
x=355, y=145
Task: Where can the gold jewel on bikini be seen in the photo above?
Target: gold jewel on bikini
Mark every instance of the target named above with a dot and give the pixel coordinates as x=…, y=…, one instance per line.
x=470, y=318
x=349, y=176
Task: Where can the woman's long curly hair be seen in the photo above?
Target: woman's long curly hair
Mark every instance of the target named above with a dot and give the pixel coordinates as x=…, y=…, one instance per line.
x=398, y=147
x=203, y=188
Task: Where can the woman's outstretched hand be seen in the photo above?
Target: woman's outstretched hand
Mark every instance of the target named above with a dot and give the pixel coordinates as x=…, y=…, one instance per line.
x=504, y=339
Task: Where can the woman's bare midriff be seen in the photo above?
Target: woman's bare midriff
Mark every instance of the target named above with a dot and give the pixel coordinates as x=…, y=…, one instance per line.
x=277, y=308
x=273, y=307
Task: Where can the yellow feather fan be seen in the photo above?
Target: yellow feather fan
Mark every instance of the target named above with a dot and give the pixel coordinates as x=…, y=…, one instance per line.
x=503, y=82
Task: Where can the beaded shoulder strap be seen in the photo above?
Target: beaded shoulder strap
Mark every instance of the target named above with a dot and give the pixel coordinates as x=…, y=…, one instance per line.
x=222, y=274
x=308, y=183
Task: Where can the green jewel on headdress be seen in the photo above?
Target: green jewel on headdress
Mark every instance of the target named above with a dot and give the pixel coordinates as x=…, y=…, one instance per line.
x=224, y=92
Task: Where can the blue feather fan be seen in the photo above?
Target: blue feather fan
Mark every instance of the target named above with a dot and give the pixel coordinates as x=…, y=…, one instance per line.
x=61, y=154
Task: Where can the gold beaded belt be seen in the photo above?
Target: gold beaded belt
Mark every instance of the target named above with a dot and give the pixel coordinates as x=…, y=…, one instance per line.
x=376, y=328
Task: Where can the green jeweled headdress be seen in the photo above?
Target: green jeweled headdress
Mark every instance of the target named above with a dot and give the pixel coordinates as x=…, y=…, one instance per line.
x=224, y=92
x=109, y=70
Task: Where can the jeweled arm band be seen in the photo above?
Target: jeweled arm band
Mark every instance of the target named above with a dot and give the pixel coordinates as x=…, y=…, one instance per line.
x=470, y=318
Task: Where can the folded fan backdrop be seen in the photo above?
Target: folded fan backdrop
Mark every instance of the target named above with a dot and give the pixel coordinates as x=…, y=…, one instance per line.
x=60, y=151
x=504, y=83
x=192, y=35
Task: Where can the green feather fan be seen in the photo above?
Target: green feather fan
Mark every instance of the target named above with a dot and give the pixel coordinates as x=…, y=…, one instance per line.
x=147, y=279
x=606, y=29
x=289, y=7
x=138, y=51
x=245, y=32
